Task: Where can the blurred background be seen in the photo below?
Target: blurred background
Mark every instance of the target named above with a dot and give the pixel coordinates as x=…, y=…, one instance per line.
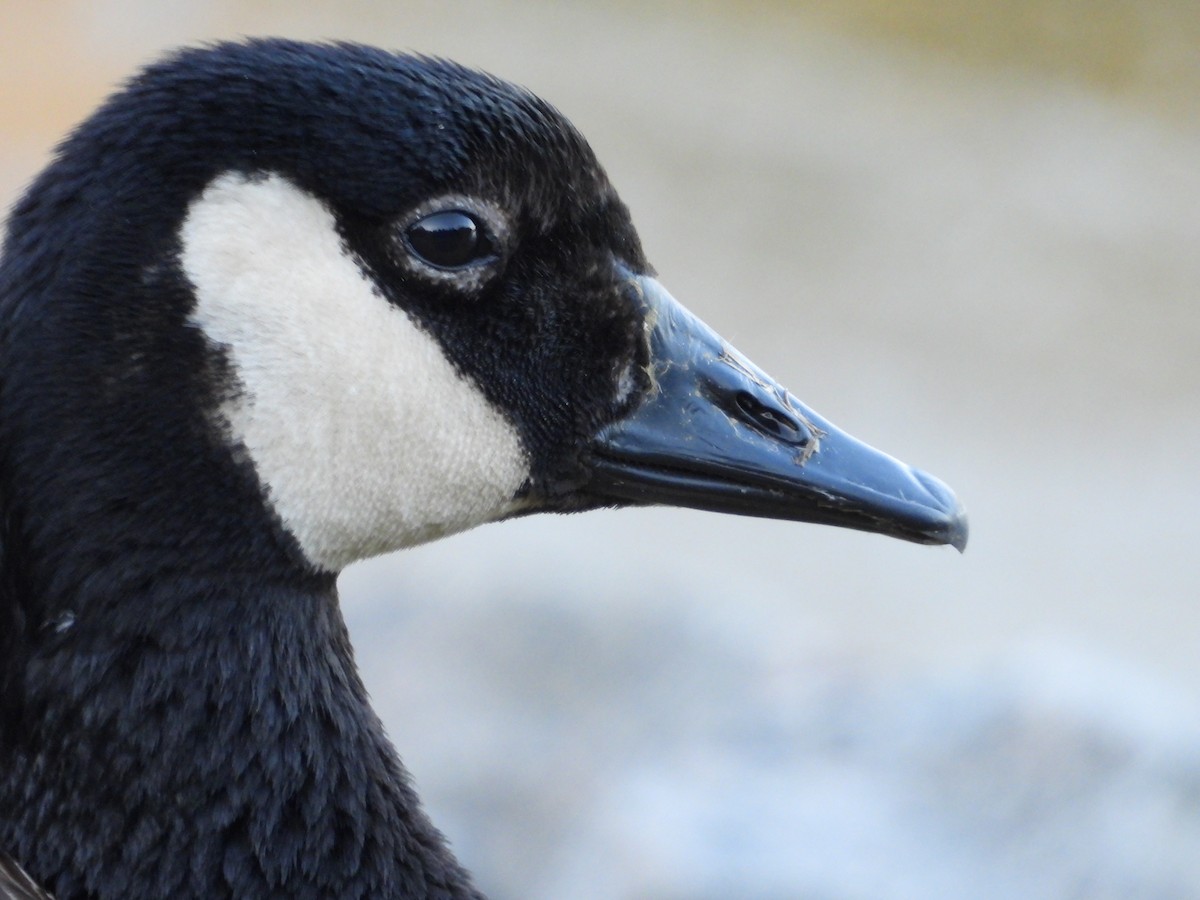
x=969, y=234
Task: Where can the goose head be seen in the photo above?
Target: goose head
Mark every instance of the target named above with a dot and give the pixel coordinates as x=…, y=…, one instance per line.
x=389, y=298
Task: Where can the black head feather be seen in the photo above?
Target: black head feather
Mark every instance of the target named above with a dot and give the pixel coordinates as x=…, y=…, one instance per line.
x=93, y=306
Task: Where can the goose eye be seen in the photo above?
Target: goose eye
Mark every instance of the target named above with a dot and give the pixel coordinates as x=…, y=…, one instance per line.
x=449, y=239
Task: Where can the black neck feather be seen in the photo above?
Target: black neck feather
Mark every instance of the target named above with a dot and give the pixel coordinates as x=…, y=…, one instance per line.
x=223, y=745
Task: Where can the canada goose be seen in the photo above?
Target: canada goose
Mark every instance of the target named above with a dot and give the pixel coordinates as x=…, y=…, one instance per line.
x=273, y=308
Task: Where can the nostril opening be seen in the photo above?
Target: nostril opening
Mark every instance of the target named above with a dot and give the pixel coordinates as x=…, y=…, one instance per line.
x=770, y=419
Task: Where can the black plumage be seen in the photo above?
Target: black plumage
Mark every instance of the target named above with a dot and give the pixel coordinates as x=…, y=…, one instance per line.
x=205, y=661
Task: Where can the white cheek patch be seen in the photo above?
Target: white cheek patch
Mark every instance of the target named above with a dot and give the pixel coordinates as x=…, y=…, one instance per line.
x=362, y=432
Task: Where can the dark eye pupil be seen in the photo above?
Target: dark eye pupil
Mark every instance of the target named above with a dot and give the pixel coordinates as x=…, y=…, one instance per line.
x=448, y=239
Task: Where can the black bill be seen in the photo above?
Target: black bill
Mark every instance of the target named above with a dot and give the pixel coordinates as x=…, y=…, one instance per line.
x=716, y=433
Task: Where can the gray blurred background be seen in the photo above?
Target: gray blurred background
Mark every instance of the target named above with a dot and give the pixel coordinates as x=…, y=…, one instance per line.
x=968, y=233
